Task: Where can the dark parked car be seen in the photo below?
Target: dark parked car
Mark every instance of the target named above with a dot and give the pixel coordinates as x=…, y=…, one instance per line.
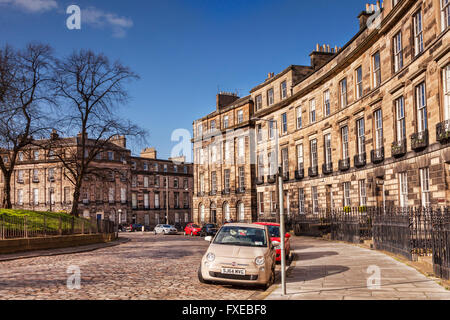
x=209, y=229
x=136, y=227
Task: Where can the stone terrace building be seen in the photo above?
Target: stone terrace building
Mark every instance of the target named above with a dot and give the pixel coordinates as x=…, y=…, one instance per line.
x=125, y=189
x=369, y=123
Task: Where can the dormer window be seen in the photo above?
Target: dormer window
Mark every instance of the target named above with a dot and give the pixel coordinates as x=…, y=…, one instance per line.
x=110, y=155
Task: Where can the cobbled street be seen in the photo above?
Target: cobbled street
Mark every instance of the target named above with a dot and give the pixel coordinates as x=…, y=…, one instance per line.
x=148, y=267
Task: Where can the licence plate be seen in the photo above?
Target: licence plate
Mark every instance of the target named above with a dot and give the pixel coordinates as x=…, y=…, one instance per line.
x=240, y=272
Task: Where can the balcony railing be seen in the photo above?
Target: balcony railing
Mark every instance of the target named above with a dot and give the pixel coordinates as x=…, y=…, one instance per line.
x=271, y=178
x=186, y=206
x=327, y=168
x=360, y=160
x=226, y=191
x=300, y=174
x=313, y=171
x=344, y=164
x=377, y=155
x=240, y=190
x=399, y=148
x=213, y=193
x=419, y=140
x=201, y=194
x=443, y=131
x=260, y=180
x=286, y=176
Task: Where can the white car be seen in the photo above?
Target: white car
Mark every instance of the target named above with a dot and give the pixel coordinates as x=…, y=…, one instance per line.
x=165, y=229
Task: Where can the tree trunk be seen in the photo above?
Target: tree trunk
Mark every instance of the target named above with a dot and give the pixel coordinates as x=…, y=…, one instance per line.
x=7, y=192
x=76, y=199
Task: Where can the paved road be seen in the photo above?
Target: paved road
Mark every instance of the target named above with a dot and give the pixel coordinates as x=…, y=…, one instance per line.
x=148, y=267
x=336, y=271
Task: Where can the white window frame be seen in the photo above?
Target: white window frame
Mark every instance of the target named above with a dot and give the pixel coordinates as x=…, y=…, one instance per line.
x=400, y=118
x=376, y=67
x=326, y=103
x=425, y=186
x=359, y=82
x=418, y=32
x=378, y=117
x=300, y=157
x=361, y=135
x=398, y=52
x=446, y=91
x=362, y=193
x=299, y=117
x=314, y=155
x=347, y=199
x=312, y=111
x=328, y=151
x=344, y=137
x=343, y=92
x=403, y=187
x=445, y=14
x=421, y=105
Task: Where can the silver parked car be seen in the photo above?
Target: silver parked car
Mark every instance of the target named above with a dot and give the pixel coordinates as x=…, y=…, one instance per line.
x=165, y=229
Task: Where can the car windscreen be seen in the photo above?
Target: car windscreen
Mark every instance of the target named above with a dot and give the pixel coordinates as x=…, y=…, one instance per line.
x=167, y=226
x=241, y=236
x=195, y=226
x=210, y=226
x=274, y=231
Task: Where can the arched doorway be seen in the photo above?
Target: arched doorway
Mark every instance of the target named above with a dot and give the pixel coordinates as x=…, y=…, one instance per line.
x=213, y=212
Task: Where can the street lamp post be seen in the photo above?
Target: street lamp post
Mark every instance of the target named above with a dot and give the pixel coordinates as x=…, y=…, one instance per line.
x=281, y=210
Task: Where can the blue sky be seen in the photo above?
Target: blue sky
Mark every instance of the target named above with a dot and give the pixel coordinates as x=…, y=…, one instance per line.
x=184, y=50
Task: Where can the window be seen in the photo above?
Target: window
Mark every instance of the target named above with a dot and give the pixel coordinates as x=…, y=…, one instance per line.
x=155, y=167
x=300, y=160
x=36, y=155
x=111, y=195
x=20, y=176
x=299, y=117
x=5, y=159
x=175, y=183
x=343, y=92
x=157, y=181
x=270, y=97
x=362, y=193
x=378, y=118
x=20, y=156
x=110, y=155
x=202, y=213
x=145, y=166
x=446, y=87
x=225, y=122
x=175, y=168
x=241, y=178
x=260, y=167
x=240, y=116
x=35, y=196
x=146, y=201
x=213, y=181
x=98, y=156
x=51, y=174
x=271, y=129
x=226, y=211
x=301, y=201
x=145, y=182
x=258, y=102
x=359, y=84
x=259, y=133
x=445, y=14
x=227, y=150
x=326, y=103
x=213, y=153
x=261, y=203
x=213, y=125
x=226, y=179
x=398, y=52
x=157, y=204
x=283, y=90
x=425, y=186
x=347, y=194
x=376, y=66
x=313, y=148
x=241, y=147
x=400, y=119
x=344, y=137
x=134, y=200
x=186, y=200
x=284, y=123
x=165, y=168
x=361, y=136
x=312, y=111
x=133, y=165
x=123, y=195
x=273, y=202
x=20, y=197
x=315, y=199
x=67, y=195
x=35, y=175
x=199, y=130
x=403, y=187
x=421, y=102
x=185, y=169
x=418, y=33
x=327, y=145
x=176, y=199
x=285, y=162
x=185, y=183
x=134, y=181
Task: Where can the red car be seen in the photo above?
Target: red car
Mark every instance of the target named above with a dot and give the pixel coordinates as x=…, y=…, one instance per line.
x=192, y=229
x=274, y=230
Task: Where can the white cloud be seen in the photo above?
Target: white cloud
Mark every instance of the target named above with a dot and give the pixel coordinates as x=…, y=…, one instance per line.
x=102, y=19
x=32, y=5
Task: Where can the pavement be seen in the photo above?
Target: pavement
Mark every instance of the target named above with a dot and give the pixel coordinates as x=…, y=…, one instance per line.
x=325, y=270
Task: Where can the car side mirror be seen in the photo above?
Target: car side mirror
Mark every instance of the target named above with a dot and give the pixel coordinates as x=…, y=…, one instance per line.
x=208, y=238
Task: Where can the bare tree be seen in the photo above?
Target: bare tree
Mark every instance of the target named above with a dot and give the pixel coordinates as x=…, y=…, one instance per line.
x=25, y=85
x=91, y=89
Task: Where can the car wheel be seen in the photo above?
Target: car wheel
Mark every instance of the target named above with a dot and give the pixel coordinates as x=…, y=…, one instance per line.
x=200, y=277
x=192, y=234
x=271, y=280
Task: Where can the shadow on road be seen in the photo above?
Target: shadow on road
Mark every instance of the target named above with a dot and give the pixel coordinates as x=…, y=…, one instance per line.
x=314, y=255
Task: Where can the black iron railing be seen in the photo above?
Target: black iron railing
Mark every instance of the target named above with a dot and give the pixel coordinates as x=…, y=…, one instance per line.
x=443, y=131
x=271, y=178
x=419, y=140
x=260, y=180
x=399, y=148
x=377, y=155
x=226, y=191
x=300, y=174
x=327, y=168
x=360, y=160
x=313, y=171
x=286, y=176
x=344, y=164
